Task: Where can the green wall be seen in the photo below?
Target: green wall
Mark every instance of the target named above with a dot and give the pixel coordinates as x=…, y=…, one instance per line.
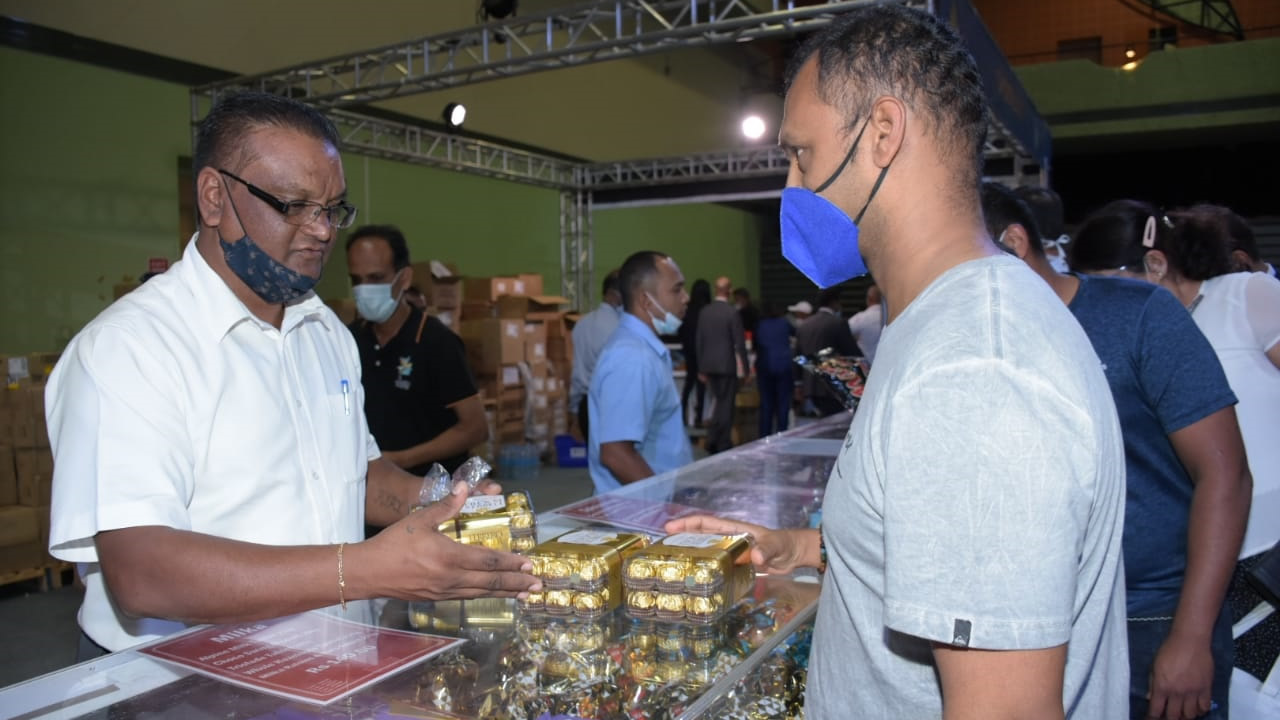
x=1172, y=89
x=706, y=241
x=89, y=191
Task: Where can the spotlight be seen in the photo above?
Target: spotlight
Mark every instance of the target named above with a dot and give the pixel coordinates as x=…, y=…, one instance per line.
x=753, y=127
x=455, y=114
x=498, y=9
x=1130, y=53
x=1131, y=65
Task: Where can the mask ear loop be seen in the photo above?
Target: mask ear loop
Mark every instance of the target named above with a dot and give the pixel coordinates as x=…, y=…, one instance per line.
x=849, y=156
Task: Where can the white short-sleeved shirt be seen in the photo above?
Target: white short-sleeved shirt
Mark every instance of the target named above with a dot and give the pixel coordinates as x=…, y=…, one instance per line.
x=1240, y=315
x=177, y=407
x=978, y=502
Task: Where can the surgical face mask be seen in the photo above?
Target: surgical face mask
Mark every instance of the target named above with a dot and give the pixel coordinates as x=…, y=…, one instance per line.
x=1000, y=243
x=818, y=238
x=270, y=279
x=374, y=301
x=668, y=324
x=1059, y=263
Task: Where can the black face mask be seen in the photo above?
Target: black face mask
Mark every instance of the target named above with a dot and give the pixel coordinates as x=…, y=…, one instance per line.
x=267, y=277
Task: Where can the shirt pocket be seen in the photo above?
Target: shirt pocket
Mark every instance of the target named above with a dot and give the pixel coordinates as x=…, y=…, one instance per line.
x=341, y=437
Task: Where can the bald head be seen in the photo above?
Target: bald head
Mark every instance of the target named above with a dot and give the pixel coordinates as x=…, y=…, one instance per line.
x=724, y=287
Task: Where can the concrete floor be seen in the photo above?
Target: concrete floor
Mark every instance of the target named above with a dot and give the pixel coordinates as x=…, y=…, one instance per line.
x=38, y=630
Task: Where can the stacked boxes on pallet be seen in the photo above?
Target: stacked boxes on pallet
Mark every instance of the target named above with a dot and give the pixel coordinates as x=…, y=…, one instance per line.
x=26, y=465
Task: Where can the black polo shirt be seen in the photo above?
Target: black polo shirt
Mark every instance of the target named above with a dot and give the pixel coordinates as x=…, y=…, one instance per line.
x=410, y=382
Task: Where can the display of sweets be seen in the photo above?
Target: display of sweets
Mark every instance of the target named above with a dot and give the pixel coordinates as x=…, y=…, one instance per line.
x=456, y=617
x=688, y=576
x=846, y=376
x=498, y=522
x=581, y=572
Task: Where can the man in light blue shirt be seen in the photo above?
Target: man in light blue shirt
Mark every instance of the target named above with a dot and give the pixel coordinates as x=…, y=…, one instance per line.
x=589, y=337
x=636, y=426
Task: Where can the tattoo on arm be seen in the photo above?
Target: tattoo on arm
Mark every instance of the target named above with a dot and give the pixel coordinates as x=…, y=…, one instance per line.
x=391, y=502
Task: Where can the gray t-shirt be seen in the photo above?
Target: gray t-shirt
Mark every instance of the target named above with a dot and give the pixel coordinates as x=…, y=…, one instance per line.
x=978, y=501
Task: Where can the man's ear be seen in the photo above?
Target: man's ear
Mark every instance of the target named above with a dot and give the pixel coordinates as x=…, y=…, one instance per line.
x=1240, y=261
x=887, y=129
x=1015, y=238
x=211, y=196
x=406, y=277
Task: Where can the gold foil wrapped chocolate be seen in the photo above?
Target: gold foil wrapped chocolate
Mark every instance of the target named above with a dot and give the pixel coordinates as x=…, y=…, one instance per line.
x=641, y=603
x=558, y=601
x=494, y=521
x=707, y=573
x=588, y=564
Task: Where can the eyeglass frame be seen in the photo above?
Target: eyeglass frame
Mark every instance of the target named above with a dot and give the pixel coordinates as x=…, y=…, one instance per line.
x=282, y=206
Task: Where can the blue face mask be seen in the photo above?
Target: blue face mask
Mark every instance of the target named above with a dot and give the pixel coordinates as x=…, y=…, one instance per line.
x=668, y=324
x=818, y=238
x=265, y=276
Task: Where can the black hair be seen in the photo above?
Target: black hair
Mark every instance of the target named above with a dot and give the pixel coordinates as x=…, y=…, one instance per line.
x=637, y=271
x=699, y=297
x=1046, y=207
x=1111, y=237
x=890, y=49
x=393, y=237
x=829, y=297
x=742, y=293
x=610, y=282
x=1238, y=234
x=773, y=309
x=1199, y=247
x=1001, y=207
x=221, y=134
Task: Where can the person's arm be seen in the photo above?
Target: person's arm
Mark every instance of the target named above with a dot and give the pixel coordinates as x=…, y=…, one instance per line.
x=772, y=551
x=1262, y=311
x=155, y=571
x=470, y=430
x=1213, y=454
x=1001, y=684
x=624, y=461
x=738, y=338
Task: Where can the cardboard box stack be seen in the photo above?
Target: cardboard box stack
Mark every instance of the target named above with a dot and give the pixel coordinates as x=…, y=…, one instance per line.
x=26, y=464
x=516, y=343
x=442, y=287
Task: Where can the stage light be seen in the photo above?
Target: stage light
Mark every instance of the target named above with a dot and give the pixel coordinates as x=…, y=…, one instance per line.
x=753, y=127
x=1131, y=65
x=498, y=9
x=1130, y=53
x=455, y=114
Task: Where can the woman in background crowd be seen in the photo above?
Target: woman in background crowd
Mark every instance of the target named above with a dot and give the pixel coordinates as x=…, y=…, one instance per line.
x=1239, y=313
x=699, y=297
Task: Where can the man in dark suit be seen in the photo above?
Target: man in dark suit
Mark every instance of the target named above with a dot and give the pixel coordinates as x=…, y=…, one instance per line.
x=722, y=361
x=825, y=329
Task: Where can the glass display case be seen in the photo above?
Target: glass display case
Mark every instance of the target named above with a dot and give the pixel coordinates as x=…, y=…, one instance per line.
x=527, y=665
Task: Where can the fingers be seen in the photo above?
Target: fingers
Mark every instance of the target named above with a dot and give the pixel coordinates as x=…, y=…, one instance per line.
x=488, y=487
x=710, y=524
x=445, y=508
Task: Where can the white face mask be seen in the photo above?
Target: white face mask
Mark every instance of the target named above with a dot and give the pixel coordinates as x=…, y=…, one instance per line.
x=669, y=324
x=1058, y=263
x=374, y=301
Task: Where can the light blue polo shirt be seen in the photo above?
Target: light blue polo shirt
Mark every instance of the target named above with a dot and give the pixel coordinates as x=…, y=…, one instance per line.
x=633, y=398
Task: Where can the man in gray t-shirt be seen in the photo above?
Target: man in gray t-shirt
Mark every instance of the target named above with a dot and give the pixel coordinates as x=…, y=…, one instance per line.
x=973, y=520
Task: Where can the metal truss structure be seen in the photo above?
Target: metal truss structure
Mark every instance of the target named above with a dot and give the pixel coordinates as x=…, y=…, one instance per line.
x=1213, y=15
x=587, y=33
x=593, y=32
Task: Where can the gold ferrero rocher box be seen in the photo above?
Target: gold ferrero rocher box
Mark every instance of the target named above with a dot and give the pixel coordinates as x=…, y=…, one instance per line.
x=688, y=576
x=498, y=522
x=581, y=572
x=452, y=616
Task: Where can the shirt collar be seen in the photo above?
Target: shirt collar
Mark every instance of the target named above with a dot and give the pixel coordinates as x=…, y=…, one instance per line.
x=637, y=326
x=223, y=311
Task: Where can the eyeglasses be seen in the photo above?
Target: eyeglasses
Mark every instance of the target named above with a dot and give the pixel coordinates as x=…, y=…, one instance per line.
x=301, y=212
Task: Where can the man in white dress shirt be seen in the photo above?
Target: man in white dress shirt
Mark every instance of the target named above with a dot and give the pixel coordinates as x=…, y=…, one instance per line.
x=589, y=337
x=213, y=460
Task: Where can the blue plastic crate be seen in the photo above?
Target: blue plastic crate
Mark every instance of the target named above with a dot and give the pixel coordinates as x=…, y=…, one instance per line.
x=570, y=452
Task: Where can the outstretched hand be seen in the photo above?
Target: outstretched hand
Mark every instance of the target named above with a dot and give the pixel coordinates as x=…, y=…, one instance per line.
x=773, y=551
x=413, y=560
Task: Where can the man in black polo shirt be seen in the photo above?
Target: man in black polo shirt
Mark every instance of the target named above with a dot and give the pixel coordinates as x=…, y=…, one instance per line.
x=420, y=398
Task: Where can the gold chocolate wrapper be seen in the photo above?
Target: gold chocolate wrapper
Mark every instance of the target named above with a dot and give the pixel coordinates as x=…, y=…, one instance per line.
x=558, y=601
x=496, y=524
x=588, y=563
x=706, y=572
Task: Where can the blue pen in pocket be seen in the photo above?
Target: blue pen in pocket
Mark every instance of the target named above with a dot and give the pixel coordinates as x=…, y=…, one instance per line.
x=346, y=397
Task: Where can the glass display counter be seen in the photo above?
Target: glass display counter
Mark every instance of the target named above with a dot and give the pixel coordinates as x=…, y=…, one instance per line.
x=523, y=665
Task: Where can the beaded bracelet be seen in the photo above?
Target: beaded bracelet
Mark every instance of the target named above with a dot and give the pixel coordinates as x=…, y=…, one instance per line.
x=822, y=552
